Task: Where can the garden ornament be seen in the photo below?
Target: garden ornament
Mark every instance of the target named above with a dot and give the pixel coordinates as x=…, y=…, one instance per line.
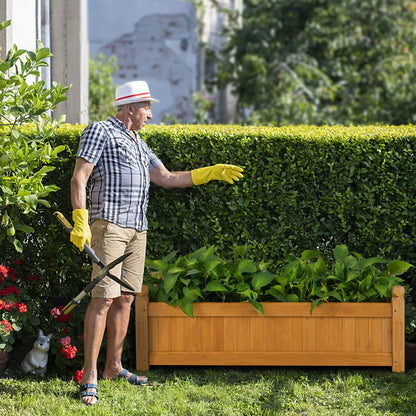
x=36, y=360
x=105, y=270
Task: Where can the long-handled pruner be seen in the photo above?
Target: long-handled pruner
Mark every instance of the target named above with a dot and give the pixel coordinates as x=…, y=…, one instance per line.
x=105, y=270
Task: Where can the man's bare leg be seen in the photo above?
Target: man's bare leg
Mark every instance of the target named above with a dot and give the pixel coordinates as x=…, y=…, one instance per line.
x=94, y=327
x=117, y=325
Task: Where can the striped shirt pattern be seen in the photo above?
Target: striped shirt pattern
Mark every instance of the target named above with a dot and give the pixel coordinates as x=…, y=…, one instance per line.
x=119, y=190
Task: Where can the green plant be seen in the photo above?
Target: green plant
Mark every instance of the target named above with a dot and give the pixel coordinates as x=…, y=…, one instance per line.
x=17, y=309
x=25, y=156
x=203, y=276
x=349, y=278
x=101, y=91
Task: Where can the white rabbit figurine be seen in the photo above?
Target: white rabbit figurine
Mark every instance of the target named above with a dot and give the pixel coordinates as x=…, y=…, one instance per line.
x=36, y=359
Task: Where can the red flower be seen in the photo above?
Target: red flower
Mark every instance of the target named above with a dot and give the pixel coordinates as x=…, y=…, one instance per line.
x=6, y=324
x=59, y=316
x=69, y=351
x=22, y=307
x=2, y=305
x=19, y=262
x=3, y=272
x=78, y=376
x=8, y=306
x=65, y=330
x=65, y=341
x=9, y=290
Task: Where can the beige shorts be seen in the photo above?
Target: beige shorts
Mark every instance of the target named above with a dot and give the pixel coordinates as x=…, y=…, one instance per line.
x=109, y=242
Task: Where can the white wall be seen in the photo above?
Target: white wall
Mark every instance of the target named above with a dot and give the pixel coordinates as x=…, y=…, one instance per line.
x=24, y=24
x=155, y=41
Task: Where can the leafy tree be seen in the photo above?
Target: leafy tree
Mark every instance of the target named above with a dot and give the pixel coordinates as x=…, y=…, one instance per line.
x=323, y=62
x=101, y=87
x=25, y=157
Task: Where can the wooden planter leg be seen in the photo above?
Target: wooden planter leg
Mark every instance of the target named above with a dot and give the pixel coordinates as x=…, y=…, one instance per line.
x=397, y=304
x=142, y=329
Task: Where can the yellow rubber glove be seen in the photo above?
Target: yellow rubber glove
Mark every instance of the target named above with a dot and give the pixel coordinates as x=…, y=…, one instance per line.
x=221, y=172
x=81, y=232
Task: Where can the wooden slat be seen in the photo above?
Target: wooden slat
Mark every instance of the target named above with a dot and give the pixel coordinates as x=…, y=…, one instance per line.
x=244, y=334
x=204, y=334
x=276, y=309
x=270, y=359
x=270, y=335
x=322, y=334
x=217, y=334
x=374, y=334
x=231, y=334
x=309, y=334
x=335, y=334
x=142, y=332
x=348, y=334
x=257, y=333
x=397, y=306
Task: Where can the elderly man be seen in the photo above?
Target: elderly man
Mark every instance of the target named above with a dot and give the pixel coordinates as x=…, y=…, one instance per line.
x=121, y=167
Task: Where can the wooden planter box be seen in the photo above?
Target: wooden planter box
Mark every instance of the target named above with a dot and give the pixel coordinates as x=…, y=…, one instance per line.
x=234, y=334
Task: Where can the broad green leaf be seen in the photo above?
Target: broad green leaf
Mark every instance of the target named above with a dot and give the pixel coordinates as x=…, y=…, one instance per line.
x=364, y=263
x=276, y=292
x=18, y=245
x=25, y=228
x=4, y=24
x=246, y=266
x=186, y=306
x=291, y=297
x=340, y=253
x=215, y=286
x=257, y=306
x=262, y=279
x=211, y=264
x=175, y=270
x=242, y=286
x=192, y=272
x=310, y=254
x=169, y=281
x=320, y=266
x=398, y=267
x=157, y=264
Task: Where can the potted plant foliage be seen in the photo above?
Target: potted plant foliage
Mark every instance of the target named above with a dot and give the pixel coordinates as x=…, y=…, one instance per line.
x=346, y=311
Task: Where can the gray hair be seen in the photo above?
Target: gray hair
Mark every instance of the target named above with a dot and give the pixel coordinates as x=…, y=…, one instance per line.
x=136, y=105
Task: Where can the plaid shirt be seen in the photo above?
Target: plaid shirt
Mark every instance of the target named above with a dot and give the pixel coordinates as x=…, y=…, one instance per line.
x=119, y=189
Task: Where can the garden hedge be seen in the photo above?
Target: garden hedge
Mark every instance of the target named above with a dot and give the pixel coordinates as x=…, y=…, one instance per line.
x=304, y=187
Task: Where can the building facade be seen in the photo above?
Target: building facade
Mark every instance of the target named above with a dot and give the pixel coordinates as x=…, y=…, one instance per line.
x=162, y=42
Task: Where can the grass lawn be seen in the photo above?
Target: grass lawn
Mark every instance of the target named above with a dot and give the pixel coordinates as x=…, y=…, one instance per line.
x=222, y=391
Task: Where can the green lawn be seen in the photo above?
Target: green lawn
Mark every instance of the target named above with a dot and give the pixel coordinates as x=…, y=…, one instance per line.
x=223, y=391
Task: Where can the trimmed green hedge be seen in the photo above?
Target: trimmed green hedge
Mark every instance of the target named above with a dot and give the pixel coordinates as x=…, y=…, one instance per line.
x=304, y=187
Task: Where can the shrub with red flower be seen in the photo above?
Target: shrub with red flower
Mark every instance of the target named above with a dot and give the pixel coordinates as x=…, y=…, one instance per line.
x=16, y=308
x=64, y=347
x=69, y=351
x=78, y=376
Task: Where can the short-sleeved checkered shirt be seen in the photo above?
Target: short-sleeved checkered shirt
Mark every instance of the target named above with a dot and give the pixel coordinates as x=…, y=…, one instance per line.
x=119, y=190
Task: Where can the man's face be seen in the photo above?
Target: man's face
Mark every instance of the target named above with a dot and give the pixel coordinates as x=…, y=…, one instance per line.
x=141, y=114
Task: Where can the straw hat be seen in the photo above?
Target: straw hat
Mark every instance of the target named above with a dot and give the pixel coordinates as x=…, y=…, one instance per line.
x=133, y=92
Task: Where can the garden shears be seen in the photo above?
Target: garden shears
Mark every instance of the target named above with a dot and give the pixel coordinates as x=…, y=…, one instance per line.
x=105, y=269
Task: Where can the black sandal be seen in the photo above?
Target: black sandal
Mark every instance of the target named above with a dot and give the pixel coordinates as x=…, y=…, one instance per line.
x=84, y=393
